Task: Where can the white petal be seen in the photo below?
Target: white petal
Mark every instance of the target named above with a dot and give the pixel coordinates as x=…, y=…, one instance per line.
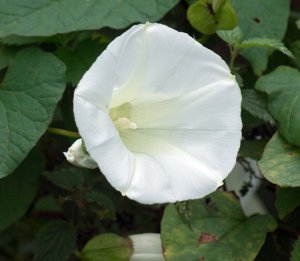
x=103, y=142
x=161, y=60
x=163, y=171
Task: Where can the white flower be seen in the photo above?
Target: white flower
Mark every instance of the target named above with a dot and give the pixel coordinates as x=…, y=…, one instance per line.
x=160, y=114
x=78, y=156
x=146, y=247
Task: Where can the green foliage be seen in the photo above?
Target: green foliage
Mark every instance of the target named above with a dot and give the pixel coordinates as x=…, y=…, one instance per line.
x=252, y=148
x=106, y=247
x=266, y=43
x=296, y=252
x=256, y=104
x=19, y=189
x=80, y=59
x=66, y=177
x=55, y=241
x=218, y=231
x=287, y=199
x=281, y=85
x=280, y=163
x=232, y=37
x=266, y=19
x=208, y=16
x=32, y=86
x=43, y=18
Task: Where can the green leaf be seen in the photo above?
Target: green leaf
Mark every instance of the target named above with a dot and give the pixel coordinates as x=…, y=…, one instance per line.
x=67, y=177
x=287, y=199
x=80, y=59
x=218, y=231
x=296, y=251
x=280, y=163
x=267, y=19
x=266, y=43
x=42, y=18
x=282, y=87
x=19, y=189
x=252, y=148
x=256, y=104
x=232, y=37
x=208, y=16
x=32, y=86
x=107, y=247
x=55, y=241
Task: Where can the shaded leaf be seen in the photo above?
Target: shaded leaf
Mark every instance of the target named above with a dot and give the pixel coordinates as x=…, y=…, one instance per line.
x=42, y=18
x=19, y=189
x=208, y=16
x=256, y=104
x=79, y=60
x=218, y=231
x=55, y=241
x=282, y=87
x=280, y=163
x=296, y=251
x=32, y=86
x=67, y=177
x=252, y=148
x=287, y=199
x=266, y=19
x=106, y=247
x=232, y=37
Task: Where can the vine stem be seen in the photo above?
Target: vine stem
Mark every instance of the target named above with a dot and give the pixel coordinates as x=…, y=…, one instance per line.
x=233, y=53
x=62, y=132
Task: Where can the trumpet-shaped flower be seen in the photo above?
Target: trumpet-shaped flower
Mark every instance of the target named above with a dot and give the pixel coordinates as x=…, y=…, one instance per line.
x=160, y=115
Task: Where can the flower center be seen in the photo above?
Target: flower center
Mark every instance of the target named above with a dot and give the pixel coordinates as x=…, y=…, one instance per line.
x=121, y=117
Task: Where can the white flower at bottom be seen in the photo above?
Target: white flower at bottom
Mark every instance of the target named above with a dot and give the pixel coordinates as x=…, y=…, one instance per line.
x=160, y=114
x=146, y=247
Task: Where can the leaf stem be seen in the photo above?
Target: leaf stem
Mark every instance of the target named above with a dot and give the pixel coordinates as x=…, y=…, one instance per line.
x=233, y=53
x=62, y=132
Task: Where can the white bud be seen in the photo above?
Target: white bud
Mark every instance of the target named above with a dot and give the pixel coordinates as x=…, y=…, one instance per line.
x=78, y=156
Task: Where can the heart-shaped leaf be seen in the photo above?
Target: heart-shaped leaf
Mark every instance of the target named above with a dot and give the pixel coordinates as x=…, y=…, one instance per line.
x=32, y=86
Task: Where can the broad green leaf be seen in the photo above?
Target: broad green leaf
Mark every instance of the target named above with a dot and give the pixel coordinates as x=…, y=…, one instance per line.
x=31, y=88
x=79, y=60
x=282, y=87
x=232, y=37
x=256, y=104
x=67, y=177
x=208, y=16
x=55, y=241
x=218, y=231
x=266, y=43
x=19, y=189
x=287, y=199
x=106, y=247
x=267, y=19
x=252, y=148
x=43, y=17
x=280, y=163
x=295, y=48
x=296, y=251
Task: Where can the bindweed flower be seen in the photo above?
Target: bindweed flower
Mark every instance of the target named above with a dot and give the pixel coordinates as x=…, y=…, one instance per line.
x=160, y=114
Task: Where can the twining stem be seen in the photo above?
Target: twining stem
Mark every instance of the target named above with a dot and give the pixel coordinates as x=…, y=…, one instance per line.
x=62, y=132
